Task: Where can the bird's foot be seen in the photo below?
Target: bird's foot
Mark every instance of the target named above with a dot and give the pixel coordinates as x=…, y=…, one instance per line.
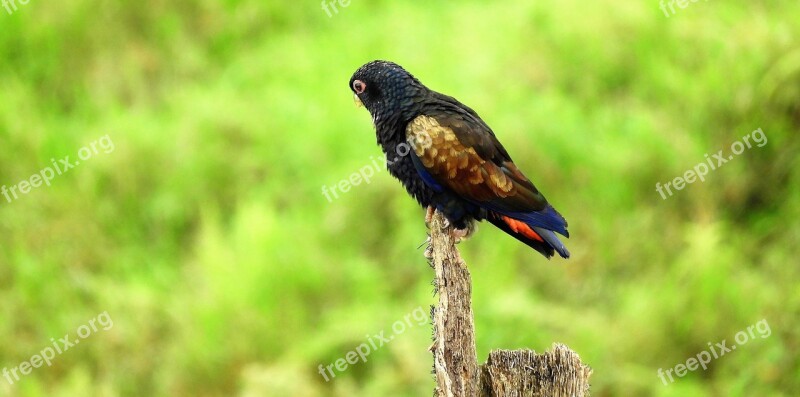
x=429, y=216
x=460, y=235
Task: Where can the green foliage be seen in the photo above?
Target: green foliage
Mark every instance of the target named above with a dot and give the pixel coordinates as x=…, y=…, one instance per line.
x=206, y=237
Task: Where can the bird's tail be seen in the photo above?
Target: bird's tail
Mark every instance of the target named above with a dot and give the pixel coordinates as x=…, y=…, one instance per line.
x=540, y=239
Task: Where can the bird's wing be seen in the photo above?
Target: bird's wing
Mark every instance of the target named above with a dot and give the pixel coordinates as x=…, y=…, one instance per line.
x=454, y=150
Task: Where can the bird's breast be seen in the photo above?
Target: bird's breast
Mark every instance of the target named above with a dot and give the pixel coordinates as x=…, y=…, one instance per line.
x=400, y=166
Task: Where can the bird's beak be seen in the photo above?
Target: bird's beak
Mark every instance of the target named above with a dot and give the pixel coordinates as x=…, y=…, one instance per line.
x=357, y=100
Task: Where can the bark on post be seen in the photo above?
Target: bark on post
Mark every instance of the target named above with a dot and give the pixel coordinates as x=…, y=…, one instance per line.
x=558, y=372
x=454, y=359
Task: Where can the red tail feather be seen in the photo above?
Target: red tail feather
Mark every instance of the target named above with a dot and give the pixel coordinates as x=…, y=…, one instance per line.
x=521, y=228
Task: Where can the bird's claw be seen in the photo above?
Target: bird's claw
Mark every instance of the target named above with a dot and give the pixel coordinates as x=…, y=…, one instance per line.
x=460, y=235
x=429, y=216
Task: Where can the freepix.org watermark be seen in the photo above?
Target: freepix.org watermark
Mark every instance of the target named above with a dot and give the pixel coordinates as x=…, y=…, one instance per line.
x=715, y=351
x=11, y=5
x=332, y=4
x=712, y=163
x=365, y=173
x=48, y=354
x=663, y=5
x=373, y=343
x=103, y=145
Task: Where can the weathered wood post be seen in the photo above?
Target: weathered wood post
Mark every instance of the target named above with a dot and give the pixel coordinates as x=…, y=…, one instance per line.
x=558, y=372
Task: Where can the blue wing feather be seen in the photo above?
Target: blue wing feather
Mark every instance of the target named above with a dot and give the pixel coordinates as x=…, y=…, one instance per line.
x=424, y=174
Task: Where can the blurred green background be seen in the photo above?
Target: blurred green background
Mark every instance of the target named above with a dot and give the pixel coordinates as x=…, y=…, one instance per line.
x=205, y=236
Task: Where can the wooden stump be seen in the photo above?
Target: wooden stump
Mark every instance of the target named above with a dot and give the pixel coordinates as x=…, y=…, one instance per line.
x=558, y=372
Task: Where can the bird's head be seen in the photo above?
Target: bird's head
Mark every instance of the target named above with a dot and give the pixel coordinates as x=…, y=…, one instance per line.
x=384, y=88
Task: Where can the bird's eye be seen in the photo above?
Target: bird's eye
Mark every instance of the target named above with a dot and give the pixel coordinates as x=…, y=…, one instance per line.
x=359, y=86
